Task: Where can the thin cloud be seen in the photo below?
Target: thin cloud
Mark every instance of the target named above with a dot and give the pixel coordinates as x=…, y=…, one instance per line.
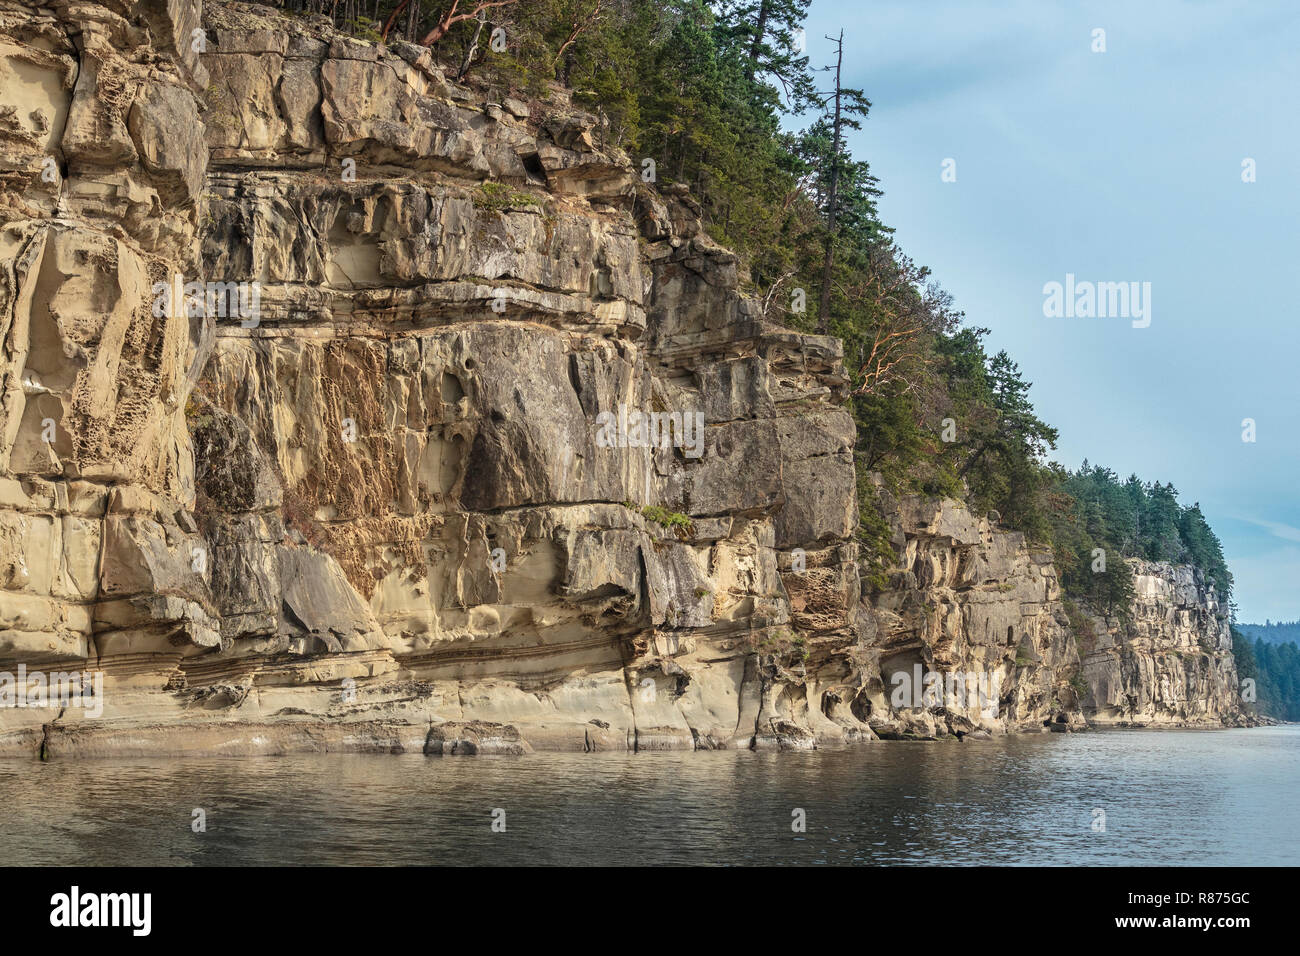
x=1276, y=528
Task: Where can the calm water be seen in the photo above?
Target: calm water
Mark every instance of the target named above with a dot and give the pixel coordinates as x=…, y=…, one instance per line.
x=1207, y=797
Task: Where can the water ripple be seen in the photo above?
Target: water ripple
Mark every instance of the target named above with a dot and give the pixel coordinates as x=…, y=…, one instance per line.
x=1179, y=798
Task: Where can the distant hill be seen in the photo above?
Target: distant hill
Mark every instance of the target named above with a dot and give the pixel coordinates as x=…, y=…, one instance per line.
x=1273, y=632
x=1275, y=668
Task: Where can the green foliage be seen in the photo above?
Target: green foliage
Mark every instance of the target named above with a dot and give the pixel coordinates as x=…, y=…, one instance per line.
x=498, y=197
x=672, y=520
x=1272, y=632
x=765, y=32
x=1203, y=548
x=1247, y=664
x=1079, y=685
x=781, y=644
x=708, y=90
x=1275, y=669
x=367, y=29
x=876, y=553
x=1014, y=437
x=198, y=413
x=1091, y=513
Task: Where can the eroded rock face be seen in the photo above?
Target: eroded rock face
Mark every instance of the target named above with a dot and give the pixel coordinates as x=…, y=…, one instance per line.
x=1173, y=666
x=100, y=155
x=967, y=598
x=376, y=493
x=973, y=602
x=358, y=491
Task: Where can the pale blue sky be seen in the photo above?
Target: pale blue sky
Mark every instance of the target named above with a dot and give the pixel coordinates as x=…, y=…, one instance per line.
x=1115, y=166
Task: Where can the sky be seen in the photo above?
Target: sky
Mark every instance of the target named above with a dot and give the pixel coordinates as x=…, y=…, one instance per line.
x=1117, y=166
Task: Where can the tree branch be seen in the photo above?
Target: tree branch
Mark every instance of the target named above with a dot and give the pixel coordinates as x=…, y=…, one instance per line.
x=451, y=18
x=579, y=28
x=392, y=19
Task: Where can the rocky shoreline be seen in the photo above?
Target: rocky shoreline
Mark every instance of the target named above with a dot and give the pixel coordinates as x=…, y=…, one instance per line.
x=367, y=507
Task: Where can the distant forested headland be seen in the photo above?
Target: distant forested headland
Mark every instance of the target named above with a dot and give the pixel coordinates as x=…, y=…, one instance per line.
x=1270, y=654
x=1273, y=632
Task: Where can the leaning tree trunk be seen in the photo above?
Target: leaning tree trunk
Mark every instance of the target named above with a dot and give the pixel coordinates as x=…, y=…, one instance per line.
x=473, y=45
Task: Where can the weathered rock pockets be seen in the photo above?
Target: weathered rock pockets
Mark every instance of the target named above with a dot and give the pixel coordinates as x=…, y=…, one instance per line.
x=1173, y=665
x=380, y=518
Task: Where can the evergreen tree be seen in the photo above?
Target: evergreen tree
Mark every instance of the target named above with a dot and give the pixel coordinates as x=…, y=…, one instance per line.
x=702, y=88
x=842, y=106
x=1160, y=521
x=770, y=34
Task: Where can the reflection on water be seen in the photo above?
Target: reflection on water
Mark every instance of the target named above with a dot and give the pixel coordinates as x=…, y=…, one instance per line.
x=1202, y=797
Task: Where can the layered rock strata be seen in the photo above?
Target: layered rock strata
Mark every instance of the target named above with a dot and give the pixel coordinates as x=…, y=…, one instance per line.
x=968, y=600
x=321, y=379
x=365, y=501
x=1173, y=665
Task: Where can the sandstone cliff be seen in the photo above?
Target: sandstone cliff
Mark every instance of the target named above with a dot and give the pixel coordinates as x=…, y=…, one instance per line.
x=357, y=497
x=967, y=597
x=1173, y=665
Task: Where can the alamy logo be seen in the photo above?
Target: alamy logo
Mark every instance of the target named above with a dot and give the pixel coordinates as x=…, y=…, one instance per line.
x=103, y=909
x=635, y=429
x=957, y=690
x=57, y=689
x=1098, y=300
x=220, y=300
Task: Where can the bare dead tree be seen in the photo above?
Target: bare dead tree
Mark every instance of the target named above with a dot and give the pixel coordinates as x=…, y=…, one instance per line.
x=771, y=293
x=472, y=50
x=824, y=308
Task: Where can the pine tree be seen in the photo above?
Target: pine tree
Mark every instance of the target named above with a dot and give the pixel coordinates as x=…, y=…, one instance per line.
x=842, y=106
x=770, y=33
